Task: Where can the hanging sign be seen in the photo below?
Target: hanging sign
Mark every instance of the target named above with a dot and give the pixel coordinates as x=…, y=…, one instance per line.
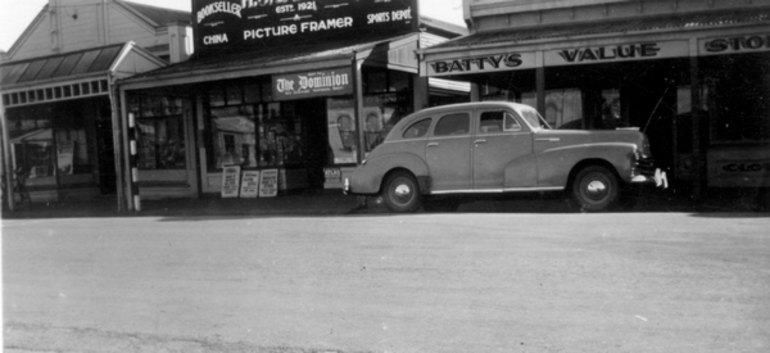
x=231, y=180
x=313, y=84
x=268, y=183
x=248, y=24
x=250, y=184
x=616, y=53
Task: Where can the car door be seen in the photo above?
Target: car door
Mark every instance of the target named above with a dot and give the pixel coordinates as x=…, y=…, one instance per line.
x=502, y=152
x=448, y=152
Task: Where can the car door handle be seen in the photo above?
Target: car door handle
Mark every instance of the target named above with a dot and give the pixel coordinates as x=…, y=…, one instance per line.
x=432, y=144
x=478, y=142
x=549, y=139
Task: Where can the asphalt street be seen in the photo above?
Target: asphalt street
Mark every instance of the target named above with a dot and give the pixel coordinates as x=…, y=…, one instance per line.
x=462, y=282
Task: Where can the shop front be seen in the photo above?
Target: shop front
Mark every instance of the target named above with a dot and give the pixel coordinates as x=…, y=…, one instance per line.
x=303, y=109
x=58, y=119
x=700, y=91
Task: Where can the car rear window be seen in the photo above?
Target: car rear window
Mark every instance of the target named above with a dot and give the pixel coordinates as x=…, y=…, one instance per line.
x=453, y=124
x=418, y=129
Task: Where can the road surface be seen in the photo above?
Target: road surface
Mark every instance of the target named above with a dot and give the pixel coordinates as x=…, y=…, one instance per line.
x=465, y=282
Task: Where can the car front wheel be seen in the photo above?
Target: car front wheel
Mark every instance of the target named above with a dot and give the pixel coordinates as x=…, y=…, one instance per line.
x=595, y=188
x=400, y=193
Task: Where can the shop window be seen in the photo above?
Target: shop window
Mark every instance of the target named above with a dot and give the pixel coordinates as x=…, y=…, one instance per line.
x=737, y=97
x=252, y=94
x=376, y=82
x=72, y=151
x=32, y=141
x=234, y=95
x=564, y=108
x=234, y=136
x=160, y=132
x=258, y=135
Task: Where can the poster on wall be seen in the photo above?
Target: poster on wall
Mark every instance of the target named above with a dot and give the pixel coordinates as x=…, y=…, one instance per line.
x=250, y=184
x=268, y=183
x=238, y=25
x=342, y=130
x=231, y=179
x=65, y=156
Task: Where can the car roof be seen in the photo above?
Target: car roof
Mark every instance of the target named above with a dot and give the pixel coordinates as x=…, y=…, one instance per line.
x=428, y=112
x=470, y=105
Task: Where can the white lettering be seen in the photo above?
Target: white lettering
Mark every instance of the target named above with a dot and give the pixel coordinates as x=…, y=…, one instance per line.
x=215, y=39
x=219, y=7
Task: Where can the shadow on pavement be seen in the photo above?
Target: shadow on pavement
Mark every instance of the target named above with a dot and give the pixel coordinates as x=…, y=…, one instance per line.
x=334, y=203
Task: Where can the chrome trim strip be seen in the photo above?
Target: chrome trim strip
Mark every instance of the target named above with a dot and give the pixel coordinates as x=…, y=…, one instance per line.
x=497, y=191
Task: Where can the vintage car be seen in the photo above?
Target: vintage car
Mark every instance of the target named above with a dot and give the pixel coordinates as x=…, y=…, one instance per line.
x=499, y=147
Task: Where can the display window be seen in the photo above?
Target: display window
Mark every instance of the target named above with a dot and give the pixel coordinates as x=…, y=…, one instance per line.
x=249, y=131
x=50, y=140
x=735, y=98
x=160, y=132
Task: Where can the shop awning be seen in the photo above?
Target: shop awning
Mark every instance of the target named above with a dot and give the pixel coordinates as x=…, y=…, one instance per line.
x=72, y=75
x=392, y=52
x=679, y=22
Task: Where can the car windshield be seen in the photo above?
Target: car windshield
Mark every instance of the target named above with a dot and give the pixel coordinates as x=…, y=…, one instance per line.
x=532, y=117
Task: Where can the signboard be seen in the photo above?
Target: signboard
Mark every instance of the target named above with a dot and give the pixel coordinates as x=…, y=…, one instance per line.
x=268, y=183
x=313, y=84
x=745, y=167
x=333, y=175
x=750, y=43
x=249, y=24
x=482, y=64
x=616, y=53
x=231, y=180
x=250, y=184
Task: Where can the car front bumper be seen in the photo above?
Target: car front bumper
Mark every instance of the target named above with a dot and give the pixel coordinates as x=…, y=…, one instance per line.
x=658, y=178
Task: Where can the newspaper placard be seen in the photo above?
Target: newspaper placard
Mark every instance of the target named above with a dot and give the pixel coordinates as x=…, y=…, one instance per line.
x=268, y=183
x=250, y=184
x=231, y=180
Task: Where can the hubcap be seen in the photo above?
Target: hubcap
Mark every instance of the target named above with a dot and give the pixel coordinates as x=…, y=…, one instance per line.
x=402, y=192
x=596, y=189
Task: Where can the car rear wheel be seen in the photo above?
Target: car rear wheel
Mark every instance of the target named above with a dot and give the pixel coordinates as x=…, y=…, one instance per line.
x=401, y=193
x=595, y=188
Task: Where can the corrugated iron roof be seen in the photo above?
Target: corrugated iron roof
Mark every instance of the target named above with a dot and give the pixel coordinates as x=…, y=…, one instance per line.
x=621, y=26
x=62, y=65
x=161, y=16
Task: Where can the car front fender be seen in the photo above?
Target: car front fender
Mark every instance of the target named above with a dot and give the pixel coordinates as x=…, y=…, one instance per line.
x=367, y=178
x=554, y=165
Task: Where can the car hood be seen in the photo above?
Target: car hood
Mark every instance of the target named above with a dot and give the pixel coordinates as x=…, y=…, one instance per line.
x=561, y=138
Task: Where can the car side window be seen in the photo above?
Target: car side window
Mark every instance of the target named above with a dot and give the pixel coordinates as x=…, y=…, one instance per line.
x=453, y=124
x=418, y=129
x=511, y=124
x=491, y=122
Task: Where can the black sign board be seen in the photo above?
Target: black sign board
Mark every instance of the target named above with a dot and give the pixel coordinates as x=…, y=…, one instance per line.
x=252, y=24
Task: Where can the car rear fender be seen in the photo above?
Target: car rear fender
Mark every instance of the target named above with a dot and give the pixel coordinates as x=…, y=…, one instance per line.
x=553, y=163
x=379, y=167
